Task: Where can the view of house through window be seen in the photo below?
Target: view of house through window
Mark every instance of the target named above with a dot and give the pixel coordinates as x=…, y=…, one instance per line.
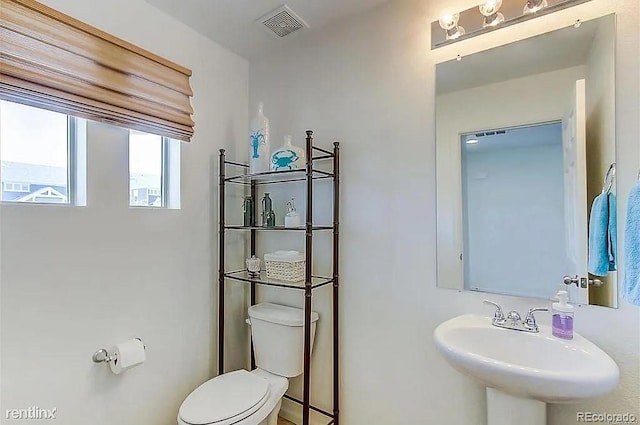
x=146, y=170
x=40, y=148
x=34, y=154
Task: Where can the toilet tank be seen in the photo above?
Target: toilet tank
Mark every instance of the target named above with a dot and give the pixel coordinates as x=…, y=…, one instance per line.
x=278, y=338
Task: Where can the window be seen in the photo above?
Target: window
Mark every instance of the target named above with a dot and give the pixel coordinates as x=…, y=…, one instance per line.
x=16, y=187
x=153, y=170
x=35, y=147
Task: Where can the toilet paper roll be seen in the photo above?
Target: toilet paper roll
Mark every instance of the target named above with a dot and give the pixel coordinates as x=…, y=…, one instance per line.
x=128, y=354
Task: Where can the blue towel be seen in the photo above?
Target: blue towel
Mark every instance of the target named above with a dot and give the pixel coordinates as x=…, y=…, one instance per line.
x=613, y=232
x=603, y=239
x=631, y=285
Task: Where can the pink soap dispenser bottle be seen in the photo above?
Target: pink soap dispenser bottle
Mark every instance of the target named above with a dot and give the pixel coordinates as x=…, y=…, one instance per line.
x=562, y=316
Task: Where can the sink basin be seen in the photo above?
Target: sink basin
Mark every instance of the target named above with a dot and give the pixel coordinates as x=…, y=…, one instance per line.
x=534, y=366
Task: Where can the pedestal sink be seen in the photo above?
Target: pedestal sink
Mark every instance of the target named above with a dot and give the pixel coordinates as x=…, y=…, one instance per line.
x=523, y=371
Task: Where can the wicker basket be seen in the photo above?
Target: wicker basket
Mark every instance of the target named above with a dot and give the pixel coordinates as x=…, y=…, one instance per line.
x=288, y=266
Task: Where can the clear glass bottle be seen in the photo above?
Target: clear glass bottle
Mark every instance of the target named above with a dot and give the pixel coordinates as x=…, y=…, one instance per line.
x=247, y=209
x=268, y=215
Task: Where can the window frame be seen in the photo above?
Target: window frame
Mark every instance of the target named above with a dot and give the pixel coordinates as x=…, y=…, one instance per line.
x=72, y=160
x=164, y=187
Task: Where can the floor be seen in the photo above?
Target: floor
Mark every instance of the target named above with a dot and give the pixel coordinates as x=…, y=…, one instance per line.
x=282, y=421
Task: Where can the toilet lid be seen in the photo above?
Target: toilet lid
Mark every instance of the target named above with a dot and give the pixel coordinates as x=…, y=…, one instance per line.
x=234, y=395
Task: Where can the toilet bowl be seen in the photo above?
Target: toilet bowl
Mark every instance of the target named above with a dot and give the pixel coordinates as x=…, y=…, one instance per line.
x=254, y=398
x=235, y=398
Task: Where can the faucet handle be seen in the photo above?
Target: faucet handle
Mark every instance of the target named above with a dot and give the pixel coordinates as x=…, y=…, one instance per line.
x=530, y=320
x=499, y=314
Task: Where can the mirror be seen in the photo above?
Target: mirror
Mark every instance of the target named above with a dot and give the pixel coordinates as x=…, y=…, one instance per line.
x=525, y=137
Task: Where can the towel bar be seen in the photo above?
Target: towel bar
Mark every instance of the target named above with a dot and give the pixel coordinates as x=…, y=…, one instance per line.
x=609, y=178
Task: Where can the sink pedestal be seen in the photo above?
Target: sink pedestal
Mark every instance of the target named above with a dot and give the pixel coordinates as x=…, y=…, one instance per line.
x=505, y=409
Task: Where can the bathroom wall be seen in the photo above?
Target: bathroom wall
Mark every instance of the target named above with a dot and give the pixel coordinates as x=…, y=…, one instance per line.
x=544, y=97
x=369, y=82
x=74, y=280
x=514, y=197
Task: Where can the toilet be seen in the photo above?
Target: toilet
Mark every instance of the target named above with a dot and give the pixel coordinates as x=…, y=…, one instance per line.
x=254, y=398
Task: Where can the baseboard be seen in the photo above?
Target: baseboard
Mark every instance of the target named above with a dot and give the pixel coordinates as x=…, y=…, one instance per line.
x=293, y=412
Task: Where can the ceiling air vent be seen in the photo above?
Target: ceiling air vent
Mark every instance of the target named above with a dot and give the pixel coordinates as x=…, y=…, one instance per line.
x=282, y=22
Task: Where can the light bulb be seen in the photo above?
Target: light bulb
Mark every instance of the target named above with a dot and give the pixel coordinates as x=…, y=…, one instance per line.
x=489, y=10
x=533, y=6
x=490, y=7
x=449, y=21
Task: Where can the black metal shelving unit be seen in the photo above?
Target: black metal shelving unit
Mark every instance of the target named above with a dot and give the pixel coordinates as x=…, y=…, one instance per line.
x=309, y=174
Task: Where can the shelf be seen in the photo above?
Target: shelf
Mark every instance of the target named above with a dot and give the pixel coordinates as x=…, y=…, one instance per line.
x=243, y=276
x=323, y=168
x=278, y=228
x=271, y=177
x=312, y=407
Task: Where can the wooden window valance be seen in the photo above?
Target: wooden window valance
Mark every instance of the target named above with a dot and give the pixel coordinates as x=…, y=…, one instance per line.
x=52, y=61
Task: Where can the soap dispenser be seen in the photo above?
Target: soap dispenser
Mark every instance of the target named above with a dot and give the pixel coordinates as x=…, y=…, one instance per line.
x=562, y=316
x=292, y=219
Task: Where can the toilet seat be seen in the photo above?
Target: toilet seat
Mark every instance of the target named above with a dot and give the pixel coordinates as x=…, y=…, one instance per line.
x=225, y=400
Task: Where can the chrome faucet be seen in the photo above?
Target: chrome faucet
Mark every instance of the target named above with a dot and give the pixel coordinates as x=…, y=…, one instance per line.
x=530, y=321
x=513, y=320
x=498, y=317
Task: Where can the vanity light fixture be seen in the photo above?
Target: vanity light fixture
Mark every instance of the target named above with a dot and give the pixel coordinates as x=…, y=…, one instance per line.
x=449, y=23
x=533, y=6
x=490, y=11
x=491, y=15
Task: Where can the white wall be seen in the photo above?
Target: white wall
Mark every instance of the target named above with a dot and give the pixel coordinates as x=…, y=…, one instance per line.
x=528, y=100
x=514, y=219
x=370, y=83
x=77, y=279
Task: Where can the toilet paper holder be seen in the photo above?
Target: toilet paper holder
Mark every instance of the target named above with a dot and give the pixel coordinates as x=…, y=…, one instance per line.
x=103, y=356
